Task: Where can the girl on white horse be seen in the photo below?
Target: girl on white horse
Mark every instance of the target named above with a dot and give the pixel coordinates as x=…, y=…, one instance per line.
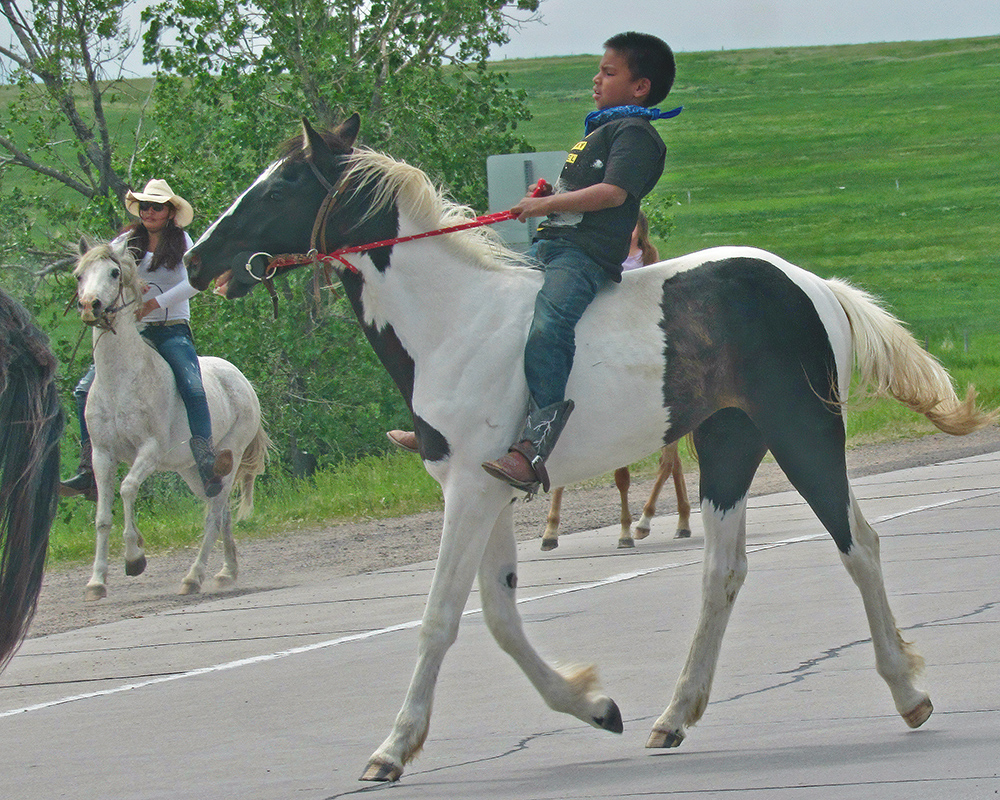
x=158, y=243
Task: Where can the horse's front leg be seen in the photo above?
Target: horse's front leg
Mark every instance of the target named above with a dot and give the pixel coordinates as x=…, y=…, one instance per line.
x=550, y=539
x=143, y=466
x=623, y=480
x=470, y=512
x=571, y=691
x=725, y=569
x=104, y=475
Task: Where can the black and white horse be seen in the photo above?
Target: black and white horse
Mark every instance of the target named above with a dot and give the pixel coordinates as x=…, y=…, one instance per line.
x=735, y=344
x=31, y=421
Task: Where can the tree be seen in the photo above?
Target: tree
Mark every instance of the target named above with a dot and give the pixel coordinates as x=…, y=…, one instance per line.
x=65, y=57
x=415, y=69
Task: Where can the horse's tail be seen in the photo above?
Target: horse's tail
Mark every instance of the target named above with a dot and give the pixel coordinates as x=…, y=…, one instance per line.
x=251, y=465
x=891, y=363
x=31, y=422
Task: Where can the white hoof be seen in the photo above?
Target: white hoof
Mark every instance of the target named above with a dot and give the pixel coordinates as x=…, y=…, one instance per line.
x=95, y=591
x=189, y=586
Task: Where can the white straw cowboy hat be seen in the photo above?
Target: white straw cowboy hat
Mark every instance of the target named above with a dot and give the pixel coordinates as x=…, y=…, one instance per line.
x=158, y=191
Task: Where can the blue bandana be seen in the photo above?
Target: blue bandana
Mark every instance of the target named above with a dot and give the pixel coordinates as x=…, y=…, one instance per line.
x=597, y=118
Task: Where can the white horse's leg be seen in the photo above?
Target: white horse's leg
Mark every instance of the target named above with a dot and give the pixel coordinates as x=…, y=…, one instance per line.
x=216, y=514
x=897, y=662
x=550, y=539
x=471, y=510
x=725, y=569
x=623, y=479
x=143, y=466
x=104, y=475
x=572, y=690
x=227, y=575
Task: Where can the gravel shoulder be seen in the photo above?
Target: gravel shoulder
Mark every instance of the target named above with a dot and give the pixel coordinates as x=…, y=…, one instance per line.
x=316, y=554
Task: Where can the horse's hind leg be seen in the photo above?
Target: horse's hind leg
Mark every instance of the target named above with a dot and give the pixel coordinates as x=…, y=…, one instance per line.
x=623, y=479
x=571, y=691
x=227, y=575
x=216, y=517
x=730, y=449
x=815, y=464
x=550, y=539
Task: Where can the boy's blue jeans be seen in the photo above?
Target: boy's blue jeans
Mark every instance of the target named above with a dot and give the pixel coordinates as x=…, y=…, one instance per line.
x=572, y=280
x=175, y=344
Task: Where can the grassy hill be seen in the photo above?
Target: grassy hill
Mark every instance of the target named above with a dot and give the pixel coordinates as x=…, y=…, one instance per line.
x=877, y=163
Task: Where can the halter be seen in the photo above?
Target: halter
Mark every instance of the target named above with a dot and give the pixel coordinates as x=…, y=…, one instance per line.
x=102, y=320
x=324, y=261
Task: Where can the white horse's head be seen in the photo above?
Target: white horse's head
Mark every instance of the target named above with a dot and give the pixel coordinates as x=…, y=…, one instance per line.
x=107, y=281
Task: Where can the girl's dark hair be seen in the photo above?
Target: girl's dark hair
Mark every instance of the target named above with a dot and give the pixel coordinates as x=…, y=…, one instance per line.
x=169, y=251
x=648, y=57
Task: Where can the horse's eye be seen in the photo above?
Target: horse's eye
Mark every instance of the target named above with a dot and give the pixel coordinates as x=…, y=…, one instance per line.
x=115, y=272
x=274, y=195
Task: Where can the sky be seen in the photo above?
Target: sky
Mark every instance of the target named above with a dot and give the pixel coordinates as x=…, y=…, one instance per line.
x=570, y=27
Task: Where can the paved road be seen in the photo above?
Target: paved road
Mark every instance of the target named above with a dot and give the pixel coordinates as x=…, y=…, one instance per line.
x=285, y=694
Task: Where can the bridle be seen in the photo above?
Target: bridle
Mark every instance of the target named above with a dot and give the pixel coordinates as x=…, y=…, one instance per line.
x=105, y=318
x=322, y=260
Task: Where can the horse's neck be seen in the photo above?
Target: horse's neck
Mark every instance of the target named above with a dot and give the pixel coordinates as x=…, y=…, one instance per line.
x=121, y=353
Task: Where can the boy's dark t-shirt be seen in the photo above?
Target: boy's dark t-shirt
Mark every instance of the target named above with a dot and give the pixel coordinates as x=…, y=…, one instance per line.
x=627, y=153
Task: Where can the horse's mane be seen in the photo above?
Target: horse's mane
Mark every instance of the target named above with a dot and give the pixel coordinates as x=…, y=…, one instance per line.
x=108, y=251
x=427, y=206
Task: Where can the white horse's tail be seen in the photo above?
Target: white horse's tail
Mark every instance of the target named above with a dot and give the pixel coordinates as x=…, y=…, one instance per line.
x=251, y=465
x=891, y=363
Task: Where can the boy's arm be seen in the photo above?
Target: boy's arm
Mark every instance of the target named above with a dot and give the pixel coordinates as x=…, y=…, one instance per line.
x=590, y=198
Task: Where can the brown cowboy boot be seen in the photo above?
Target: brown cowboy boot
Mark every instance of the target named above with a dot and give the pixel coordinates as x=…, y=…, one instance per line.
x=83, y=482
x=405, y=440
x=212, y=467
x=524, y=465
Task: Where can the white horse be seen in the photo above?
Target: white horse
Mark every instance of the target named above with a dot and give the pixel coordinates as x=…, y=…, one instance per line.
x=736, y=344
x=135, y=416
x=669, y=465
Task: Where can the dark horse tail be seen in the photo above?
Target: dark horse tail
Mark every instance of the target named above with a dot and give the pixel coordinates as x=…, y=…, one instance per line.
x=31, y=422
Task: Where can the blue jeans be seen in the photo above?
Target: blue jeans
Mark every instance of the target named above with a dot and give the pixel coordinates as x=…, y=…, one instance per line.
x=572, y=280
x=175, y=344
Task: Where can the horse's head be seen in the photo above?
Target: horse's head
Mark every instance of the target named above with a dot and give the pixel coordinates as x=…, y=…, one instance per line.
x=276, y=214
x=107, y=280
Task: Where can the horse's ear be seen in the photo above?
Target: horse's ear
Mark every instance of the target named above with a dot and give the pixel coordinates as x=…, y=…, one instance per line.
x=348, y=129
x=83, y=246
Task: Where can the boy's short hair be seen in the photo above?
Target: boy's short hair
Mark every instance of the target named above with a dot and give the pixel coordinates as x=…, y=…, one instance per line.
x=648, y=57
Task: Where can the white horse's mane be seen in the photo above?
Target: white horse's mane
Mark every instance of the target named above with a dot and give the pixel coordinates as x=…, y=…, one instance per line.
x=122, y=256
x=427, y=206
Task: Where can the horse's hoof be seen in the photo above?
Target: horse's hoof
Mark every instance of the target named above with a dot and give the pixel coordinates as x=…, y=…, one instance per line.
x=664, y=739
x=683, y=533
x=549, y=544
x=224, y=581
x=611, y=719
x=97, y=591
x=189, y=587
x=378, y=770
x=640, y=533
x=135, y=567
x=622, y=543
x=918, y=715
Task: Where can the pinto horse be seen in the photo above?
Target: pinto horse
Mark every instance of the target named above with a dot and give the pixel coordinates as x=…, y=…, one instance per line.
x=135, y=415
x=735, y=344
x=31, y=422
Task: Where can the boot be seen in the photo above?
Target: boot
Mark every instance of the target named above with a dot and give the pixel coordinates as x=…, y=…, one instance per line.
x=524, y=465
x=405, y=440
x=83, y=482
x=211, y=467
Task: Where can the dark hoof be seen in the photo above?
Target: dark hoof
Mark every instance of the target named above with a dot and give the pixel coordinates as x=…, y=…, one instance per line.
x=683, y=533
x=612, y=719
x=624, y=543
x=659, y=739
x=137, y=567
x=380, y=771
x=549, y=544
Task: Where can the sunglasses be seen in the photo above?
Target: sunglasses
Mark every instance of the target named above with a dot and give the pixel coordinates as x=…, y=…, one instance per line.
x=148, y=206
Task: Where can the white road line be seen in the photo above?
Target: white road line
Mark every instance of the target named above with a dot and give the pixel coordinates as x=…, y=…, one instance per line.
x=357, y=637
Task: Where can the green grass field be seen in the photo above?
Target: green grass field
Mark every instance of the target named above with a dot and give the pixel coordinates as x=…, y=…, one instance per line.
x=876, y=163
